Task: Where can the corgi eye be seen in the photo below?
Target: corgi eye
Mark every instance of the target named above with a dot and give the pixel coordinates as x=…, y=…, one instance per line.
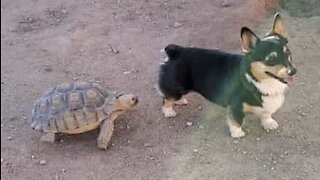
x=272, y=56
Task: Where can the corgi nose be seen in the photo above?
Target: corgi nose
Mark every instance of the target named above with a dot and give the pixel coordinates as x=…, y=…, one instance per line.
x=292, y=71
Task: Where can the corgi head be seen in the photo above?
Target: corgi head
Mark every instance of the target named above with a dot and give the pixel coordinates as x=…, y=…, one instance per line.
x=270, y=56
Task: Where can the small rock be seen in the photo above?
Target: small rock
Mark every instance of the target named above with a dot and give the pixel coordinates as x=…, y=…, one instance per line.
x=33, y=156
x=258, y=139
x=9, y=138
x=195, y=150
x=177, y=25
x=201, y=127
x=244, y=152
x=189, y=123
x=303, y=114
x=113, y=50
x=61, y=141
x=63, y=170
x=25, y=118
x=48, y=69
x=13, y=118
x=2, y=160
x=43, y=162
x=225, y=3
x=64, y=11
x=126, y=72
x=2, y=125
x=235, y=141
x=147, y=145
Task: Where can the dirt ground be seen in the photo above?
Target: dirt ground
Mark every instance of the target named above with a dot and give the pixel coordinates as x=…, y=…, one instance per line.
x=47, y=42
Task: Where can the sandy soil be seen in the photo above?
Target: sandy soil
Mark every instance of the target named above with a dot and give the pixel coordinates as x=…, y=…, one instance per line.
x=47, y=42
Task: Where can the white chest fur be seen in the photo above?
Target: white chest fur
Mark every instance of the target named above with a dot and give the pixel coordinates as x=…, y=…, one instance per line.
x=273, y=98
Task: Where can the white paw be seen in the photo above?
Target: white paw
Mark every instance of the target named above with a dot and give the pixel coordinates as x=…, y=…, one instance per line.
x=236, y=132
x=269, y=124
x=182, y=102
x=168, y=112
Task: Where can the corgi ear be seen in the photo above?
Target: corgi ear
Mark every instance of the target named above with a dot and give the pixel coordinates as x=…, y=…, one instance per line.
x=248, y=39
x=278, y=25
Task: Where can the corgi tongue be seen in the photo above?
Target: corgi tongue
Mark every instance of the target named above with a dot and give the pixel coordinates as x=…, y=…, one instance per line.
x=290, y=80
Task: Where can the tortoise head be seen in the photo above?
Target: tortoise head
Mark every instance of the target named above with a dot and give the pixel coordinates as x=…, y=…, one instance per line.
x=122, y=102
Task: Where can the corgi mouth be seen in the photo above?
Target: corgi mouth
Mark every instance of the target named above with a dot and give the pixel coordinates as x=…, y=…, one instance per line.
x=290, y=80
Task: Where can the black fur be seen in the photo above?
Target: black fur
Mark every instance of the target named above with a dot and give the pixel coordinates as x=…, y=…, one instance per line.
x=216, y=75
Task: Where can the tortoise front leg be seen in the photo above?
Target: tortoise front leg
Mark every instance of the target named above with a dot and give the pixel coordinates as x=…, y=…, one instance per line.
x=106, y=131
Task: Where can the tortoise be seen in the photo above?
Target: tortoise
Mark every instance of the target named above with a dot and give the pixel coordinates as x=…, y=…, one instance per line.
x=78, y=107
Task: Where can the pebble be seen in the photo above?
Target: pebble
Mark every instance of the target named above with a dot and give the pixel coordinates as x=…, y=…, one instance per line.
x=2, y=160
x=235, y=141
x=63, y=170
x=126, y=72
x=195, y=150
x=48, y=69
x=9, y=138
x=189, y=123
x=258, y=139
x=147, y=145
x=13, y=118
x=177, y=25
x=33, y=157
x=43, y=162
x=225, y=3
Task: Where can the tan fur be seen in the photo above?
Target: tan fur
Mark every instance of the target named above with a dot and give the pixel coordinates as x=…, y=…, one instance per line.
x=278, y=25
x=181, y=102
x=258, y=70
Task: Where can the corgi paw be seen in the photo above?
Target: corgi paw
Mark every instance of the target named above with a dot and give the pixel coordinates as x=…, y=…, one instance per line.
x=181, y=102
x=236, y=132
x=168, y=112
x=269, y=124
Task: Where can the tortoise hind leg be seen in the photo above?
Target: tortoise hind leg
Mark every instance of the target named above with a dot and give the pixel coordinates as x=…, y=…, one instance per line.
x=49, y=137
x=105, y=135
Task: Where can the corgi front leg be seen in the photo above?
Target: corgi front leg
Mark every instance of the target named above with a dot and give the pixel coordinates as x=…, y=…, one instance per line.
x=235, y=120
x=268, y=123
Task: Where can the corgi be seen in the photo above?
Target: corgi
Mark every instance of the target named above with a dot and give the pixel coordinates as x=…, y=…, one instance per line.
x=252, y=82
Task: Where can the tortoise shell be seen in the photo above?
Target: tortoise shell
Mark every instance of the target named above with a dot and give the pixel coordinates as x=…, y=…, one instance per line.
x=73, y=107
